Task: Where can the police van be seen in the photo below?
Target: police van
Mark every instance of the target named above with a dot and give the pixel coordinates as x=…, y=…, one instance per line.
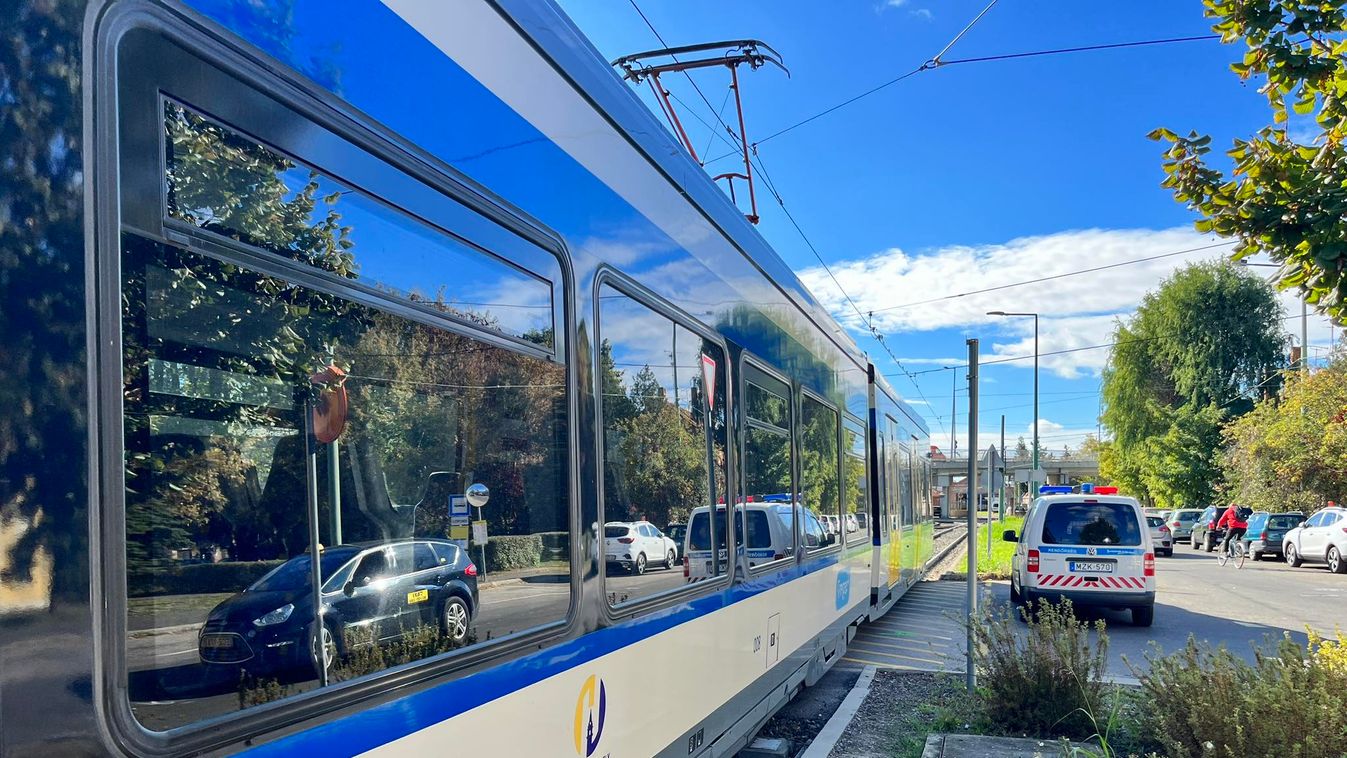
x=765, y=533
x=1092, y=548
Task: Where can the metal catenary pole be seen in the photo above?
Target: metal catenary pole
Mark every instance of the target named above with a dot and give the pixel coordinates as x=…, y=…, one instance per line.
x=972, y=505
x=1001, y=514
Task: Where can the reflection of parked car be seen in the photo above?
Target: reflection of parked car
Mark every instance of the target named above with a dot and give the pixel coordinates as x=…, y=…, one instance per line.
x=852, y=524
x=1322, y=538
x=1267, y=530
x=1181, y=522
x=1160, y=535
x=633, y=545
x=677, y=533
x=1204, y=533
x=386, y=588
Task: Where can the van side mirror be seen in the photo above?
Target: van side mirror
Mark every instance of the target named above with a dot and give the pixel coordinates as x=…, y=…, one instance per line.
x=1302, y=523
x=1009, y=536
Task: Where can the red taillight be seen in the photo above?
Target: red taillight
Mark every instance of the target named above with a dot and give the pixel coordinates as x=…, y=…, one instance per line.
x=471, y=570
x=1263, y=536
x=626, y=540
x=1032, y=564
x=1164, y=529
x=686, y=572
x=1176, y=525
x=1148, y=565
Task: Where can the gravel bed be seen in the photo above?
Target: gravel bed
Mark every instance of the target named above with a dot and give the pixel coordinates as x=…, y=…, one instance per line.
x=956, y=561
x=900, y=710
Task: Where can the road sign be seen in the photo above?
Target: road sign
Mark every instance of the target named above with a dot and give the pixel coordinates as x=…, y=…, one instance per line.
x=458, y=506
x=709, y=380
x=479, y=532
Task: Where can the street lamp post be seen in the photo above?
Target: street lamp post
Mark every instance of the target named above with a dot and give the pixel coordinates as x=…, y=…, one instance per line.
x=1033, y=477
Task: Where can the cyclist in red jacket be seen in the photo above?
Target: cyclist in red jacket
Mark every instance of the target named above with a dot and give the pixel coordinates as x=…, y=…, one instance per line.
x=1235, y=522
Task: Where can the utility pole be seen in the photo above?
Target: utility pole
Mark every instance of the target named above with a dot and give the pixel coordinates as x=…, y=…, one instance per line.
x=971, y=678
x=953, y=408
x=1001, y=515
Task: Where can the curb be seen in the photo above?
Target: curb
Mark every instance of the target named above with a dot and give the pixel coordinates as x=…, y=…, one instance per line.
x=162, y=630
x=831, y=732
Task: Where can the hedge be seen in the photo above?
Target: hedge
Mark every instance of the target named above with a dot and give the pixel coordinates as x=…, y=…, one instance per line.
x=197, y=578
x=513, y=552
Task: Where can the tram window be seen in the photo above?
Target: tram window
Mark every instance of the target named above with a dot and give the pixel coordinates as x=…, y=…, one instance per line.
x=856, y=500
x=664, y=450
x=820, y=471
x=767, y=457
x=219, y=372
x=228, y=184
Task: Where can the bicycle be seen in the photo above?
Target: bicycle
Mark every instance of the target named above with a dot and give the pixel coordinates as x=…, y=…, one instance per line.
x=1235, y=550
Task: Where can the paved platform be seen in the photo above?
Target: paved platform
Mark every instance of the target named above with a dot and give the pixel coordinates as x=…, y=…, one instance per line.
x=974, y=746
x=923, y=631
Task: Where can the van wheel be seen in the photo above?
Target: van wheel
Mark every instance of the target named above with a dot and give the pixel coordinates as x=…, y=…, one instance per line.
x=1015, y=598
x=1292, y=555
x=1335, y=562
x=454, y=618
x=1143, y=615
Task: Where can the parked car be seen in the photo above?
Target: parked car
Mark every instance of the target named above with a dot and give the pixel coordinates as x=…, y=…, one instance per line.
x=677, y=532
x=852, y=523
x=1322, y=538
x=633, y=545
x=1094, y=550
x=384, y=589
x=1181, y=523
x=831, y=523
x=1204, y=533
x=1266, y=532
x=1160, y=535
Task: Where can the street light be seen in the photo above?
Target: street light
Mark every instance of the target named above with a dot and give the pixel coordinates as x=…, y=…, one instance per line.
x=1033, y=477
x=1304, y=318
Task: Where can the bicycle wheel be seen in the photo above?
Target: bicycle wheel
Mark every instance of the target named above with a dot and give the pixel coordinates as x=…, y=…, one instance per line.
x=1222, y=557
x=1241, y=555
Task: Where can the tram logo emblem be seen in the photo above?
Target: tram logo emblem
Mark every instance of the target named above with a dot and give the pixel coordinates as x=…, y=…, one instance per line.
x=590, y=708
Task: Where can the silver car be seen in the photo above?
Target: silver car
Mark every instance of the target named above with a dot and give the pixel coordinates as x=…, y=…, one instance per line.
x=1161, y=537
x=1181, y=522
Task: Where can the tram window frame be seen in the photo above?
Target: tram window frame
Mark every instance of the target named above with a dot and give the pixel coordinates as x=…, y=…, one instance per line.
x=839, y=471
x=123, y=157
x=859, y=429
x=754, y=371
x=621, y=284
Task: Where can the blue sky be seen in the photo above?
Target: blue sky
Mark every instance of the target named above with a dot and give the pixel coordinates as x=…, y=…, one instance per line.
x=968, y=176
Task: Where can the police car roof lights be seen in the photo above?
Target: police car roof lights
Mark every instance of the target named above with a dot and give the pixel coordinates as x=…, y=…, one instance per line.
x=1054, y=489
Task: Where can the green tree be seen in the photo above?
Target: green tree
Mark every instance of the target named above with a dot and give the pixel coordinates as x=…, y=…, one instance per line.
x=665, y=469
x=1022, y=452
x=1197, y=350
x=1283, y=195
x=1290, y=452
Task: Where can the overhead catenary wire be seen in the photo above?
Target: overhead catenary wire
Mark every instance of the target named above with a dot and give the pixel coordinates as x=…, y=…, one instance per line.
x=962, y=61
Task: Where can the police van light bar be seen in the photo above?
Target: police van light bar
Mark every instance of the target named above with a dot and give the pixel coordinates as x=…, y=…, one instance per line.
x=1105, y=490
x=1054, y=489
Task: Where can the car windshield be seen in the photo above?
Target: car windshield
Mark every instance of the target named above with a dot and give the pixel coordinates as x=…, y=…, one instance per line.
x=294, y=573
x=1186, y=516
x=1155, y=521
x=1091, y=524
x=616, y=531
x=1284, y=520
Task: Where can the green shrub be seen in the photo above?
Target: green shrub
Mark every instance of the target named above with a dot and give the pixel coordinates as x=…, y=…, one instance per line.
x=1205, y=701
x=1043, y=683
x=197, y=578
x=513, y=552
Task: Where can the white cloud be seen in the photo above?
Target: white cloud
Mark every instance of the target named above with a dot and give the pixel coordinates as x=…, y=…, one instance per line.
x=922, y=13
x=1075, y=311
x=893, y=4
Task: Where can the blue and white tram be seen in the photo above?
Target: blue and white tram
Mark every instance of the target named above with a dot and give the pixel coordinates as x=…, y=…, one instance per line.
x=359, y=361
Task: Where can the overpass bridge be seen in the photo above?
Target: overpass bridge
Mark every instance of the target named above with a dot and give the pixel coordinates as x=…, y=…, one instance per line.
x=1057, y=469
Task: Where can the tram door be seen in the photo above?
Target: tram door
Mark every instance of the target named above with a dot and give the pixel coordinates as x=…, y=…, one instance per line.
x=892, y=488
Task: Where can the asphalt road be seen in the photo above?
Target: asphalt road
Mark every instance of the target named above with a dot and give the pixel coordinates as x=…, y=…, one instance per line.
x=170, y=686
x=1237, y=608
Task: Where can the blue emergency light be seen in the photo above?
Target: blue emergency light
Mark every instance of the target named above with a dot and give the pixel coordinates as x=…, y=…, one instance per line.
x=1054, y=489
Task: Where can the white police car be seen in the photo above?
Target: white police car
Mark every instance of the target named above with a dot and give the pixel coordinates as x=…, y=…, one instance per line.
x=1093, y=548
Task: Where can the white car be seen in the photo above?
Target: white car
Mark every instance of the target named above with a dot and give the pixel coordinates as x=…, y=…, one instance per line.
x=634, y=545
x=1092, y=549
x=1322, y=538
x=1161, y=537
